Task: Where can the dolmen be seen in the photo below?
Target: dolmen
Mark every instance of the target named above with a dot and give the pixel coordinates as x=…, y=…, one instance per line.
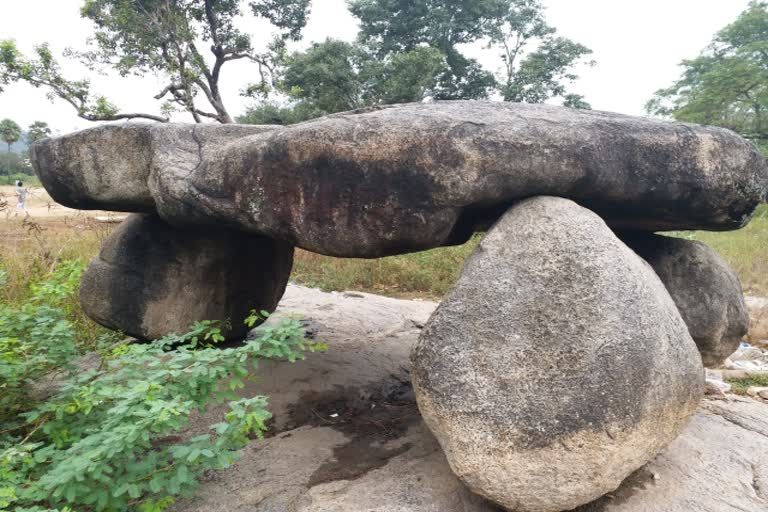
x=571, y=349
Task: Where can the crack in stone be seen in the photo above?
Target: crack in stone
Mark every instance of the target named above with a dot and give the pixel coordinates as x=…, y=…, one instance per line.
x=727, y=417
x=199, y=152
x=759, y=491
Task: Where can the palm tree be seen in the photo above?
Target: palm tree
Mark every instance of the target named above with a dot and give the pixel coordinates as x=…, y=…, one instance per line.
x=10, y=132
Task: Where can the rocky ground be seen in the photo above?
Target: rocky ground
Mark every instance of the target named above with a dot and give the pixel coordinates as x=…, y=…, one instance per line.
x=347, y=436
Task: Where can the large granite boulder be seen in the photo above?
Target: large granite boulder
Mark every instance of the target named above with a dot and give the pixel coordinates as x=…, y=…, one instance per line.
x=707, y=292
x=559, y=363
x=409, y=177
x=151, y=279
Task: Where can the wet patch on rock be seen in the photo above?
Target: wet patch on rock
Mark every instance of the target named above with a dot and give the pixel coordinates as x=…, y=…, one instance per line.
x=372, y=419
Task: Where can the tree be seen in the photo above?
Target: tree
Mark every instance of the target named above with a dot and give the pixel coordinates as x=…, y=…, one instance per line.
x=165, y=38
x=273, y=112
x=543, y=73
x=13, y=164
x=396, y=26
x=390, y=27
x=10, y=132
x=335, y=76
x=38, y=131
x=727, y=84
x=403, y=77
x=326, y=76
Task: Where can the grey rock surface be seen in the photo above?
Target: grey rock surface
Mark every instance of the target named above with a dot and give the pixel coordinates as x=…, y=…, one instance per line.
x=111, y=165
x=375, y=455
x=151, y=279
x=718, y=464
x=384, y=459
x=558, y=365
x=409, y=177
x=707, y=292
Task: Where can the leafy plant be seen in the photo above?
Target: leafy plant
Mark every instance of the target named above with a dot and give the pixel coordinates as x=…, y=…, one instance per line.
x=108, y=437
x=740, y=386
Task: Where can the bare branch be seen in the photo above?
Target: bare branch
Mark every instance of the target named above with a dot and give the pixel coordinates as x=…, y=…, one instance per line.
x=117, y=117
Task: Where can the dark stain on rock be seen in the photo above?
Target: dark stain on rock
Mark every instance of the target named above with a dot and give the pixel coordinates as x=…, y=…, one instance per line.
x=353, y=460
x=370, y=418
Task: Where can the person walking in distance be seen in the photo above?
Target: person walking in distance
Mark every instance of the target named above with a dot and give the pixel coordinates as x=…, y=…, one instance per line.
x=21, y=198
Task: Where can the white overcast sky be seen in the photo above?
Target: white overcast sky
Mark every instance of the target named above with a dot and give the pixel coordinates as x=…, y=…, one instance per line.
x=637, y=45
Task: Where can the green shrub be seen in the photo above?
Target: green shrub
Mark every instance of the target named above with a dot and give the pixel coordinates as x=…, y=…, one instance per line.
x=102, y=441
x=740, y=386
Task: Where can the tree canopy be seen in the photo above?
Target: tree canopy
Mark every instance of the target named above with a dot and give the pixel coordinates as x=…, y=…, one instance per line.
x=727, y=85
x=511, y=27
x=334, y=76
x=406, y=50
x=38, y=131
x=544, y=72
x=10, y=132
x=186, y=41
x=395, y=26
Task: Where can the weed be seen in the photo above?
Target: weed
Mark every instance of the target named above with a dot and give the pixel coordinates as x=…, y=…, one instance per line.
x=740, y=386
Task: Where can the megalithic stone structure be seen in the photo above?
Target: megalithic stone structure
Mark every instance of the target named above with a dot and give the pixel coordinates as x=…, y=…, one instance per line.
x=570, y=289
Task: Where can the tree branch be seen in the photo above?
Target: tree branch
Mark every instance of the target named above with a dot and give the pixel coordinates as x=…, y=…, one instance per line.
x=117, y=117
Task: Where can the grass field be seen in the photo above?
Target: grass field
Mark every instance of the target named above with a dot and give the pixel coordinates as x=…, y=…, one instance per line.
x=745, y=250
x=31, y=249
x=433, y=273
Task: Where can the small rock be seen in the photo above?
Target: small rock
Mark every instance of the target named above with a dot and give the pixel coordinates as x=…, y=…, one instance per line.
x=715, y=387
x=758, y=391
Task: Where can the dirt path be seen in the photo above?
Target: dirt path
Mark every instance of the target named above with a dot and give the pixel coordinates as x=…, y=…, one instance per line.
x=40, y=205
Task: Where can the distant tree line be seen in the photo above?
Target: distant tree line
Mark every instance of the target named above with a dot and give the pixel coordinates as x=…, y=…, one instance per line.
x=405, y=51
x=17, y=163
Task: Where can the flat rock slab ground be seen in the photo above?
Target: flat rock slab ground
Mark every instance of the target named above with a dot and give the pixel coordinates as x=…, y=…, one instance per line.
x=347, y=436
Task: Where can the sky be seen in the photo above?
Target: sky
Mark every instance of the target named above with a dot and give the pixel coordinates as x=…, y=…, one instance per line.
x=637, y=45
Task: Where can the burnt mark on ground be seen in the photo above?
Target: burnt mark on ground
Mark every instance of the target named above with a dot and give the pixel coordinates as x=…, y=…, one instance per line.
x=371, y=418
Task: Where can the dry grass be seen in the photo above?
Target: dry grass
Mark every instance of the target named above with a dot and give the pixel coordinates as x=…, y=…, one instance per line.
x=428, y=274
x=432, y=273
x=740, y=386
x=745, y=250
x=31, y=250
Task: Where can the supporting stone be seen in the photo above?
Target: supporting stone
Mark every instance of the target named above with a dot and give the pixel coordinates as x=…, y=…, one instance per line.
x=151, y=279
x=707, y=292
x=558, y=365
